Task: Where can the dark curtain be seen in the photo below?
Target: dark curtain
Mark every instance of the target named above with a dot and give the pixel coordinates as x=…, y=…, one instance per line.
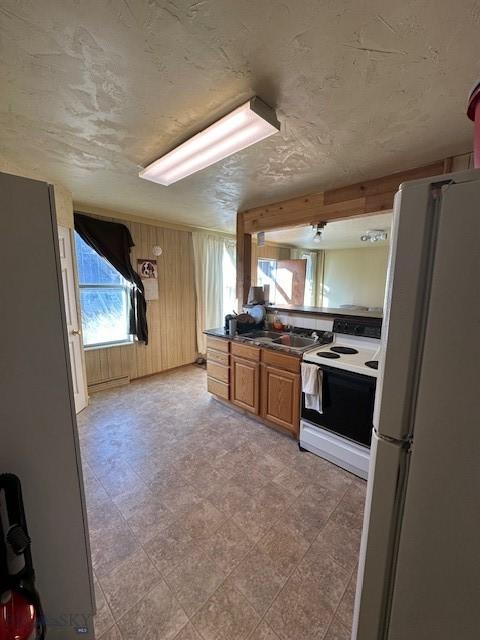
x=113, y=241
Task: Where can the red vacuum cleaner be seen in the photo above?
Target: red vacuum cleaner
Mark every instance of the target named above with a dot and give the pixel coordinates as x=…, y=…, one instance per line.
x=21, y=615
x=473, y=112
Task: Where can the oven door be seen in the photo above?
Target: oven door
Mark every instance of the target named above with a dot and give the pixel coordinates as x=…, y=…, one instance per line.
x=347, y=400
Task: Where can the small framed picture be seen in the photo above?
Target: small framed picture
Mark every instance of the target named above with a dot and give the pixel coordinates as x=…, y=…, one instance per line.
x=147, y=268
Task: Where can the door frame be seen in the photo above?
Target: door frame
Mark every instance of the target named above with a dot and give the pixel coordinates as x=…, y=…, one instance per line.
x=65, y=234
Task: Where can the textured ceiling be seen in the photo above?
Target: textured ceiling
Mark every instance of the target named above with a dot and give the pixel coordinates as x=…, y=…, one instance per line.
x=93, y=89
x=344, y=234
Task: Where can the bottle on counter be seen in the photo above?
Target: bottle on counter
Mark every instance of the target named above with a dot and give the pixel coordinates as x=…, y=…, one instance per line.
x=277, y=324
x=228, y=317
x=232, y=326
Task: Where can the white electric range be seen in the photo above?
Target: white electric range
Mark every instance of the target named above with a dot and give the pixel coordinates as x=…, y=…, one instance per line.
x=347, y=367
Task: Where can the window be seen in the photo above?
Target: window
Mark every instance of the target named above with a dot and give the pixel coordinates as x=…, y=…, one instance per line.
x=104, y=298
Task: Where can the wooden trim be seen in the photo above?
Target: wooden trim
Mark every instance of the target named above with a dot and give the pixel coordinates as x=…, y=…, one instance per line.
x=244, y=260
x=386, y=184
x=362, y=198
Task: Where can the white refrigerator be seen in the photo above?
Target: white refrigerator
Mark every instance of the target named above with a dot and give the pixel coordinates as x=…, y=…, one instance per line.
x=419, y=570
x=38, y=428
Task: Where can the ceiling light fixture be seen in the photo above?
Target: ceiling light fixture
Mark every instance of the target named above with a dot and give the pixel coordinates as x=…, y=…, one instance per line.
x=244, y=126
x=319, y=230
x=374, y=235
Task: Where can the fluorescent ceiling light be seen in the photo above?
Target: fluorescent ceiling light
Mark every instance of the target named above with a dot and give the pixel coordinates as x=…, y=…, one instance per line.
x=244, y=126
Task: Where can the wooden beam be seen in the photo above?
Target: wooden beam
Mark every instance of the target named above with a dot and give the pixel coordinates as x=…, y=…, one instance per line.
x=244, y=261
x=386, y=184
x=272, y=218
x=363, y=198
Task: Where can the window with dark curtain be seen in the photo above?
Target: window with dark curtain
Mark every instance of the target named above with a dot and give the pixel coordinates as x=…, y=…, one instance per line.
x=113, y=241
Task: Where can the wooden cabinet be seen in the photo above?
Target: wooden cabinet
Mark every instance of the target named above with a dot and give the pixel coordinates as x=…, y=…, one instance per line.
x=263, y=382
x=281, y=360
x=280, y=397
x=218, y=344
x=218, y=371
x=220, y=389
x=218, y=367
x=245, y=351
x=218, y=356
x=245, y=385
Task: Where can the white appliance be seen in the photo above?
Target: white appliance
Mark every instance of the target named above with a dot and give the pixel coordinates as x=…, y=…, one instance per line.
x=419, y=571
x=38, y=428
x=342, y=431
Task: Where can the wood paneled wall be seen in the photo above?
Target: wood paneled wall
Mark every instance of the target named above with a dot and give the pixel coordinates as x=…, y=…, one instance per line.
x=171, y=318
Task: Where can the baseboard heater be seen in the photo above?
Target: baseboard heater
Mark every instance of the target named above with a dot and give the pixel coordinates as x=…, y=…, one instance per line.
x=108, y=384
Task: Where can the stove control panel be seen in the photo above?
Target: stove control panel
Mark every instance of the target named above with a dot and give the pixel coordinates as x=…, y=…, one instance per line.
x=365, y=328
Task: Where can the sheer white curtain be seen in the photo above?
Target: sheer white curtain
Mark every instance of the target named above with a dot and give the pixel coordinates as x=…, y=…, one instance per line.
x=229, y=277
x=214, y=260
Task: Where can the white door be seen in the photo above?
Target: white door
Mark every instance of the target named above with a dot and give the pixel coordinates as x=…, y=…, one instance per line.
x=71, y=314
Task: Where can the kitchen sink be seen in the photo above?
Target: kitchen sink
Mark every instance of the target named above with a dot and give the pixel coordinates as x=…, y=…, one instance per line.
x=280, y=340
x=258, y=335
x=292, y=341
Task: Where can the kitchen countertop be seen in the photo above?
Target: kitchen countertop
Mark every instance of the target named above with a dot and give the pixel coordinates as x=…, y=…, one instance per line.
x=324, y=311
x=220, y=332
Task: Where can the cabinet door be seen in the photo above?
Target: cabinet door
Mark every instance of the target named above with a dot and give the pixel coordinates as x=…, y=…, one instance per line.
x=281, y=398
x=245, y=384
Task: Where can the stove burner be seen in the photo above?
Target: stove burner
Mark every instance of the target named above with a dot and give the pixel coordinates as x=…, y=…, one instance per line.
x=373, y=364
x=327, y=354
x=343, y=350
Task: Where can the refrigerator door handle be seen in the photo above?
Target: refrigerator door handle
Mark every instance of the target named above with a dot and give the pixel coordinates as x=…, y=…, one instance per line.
x=405, y=443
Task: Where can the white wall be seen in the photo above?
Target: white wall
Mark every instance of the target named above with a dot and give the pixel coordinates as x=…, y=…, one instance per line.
x=355, y=276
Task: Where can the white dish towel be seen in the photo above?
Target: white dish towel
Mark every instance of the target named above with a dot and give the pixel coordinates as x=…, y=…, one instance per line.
x=312, y=378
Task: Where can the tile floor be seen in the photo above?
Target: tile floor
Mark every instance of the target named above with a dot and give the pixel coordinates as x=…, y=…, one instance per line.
x=206, y=525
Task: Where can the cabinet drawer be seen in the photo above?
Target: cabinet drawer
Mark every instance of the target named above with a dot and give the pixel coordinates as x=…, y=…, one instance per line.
x=281, y=360
x=218, y=388
x=246, y=351
x=218, y=343
x=218, y=371
x=218, y=356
